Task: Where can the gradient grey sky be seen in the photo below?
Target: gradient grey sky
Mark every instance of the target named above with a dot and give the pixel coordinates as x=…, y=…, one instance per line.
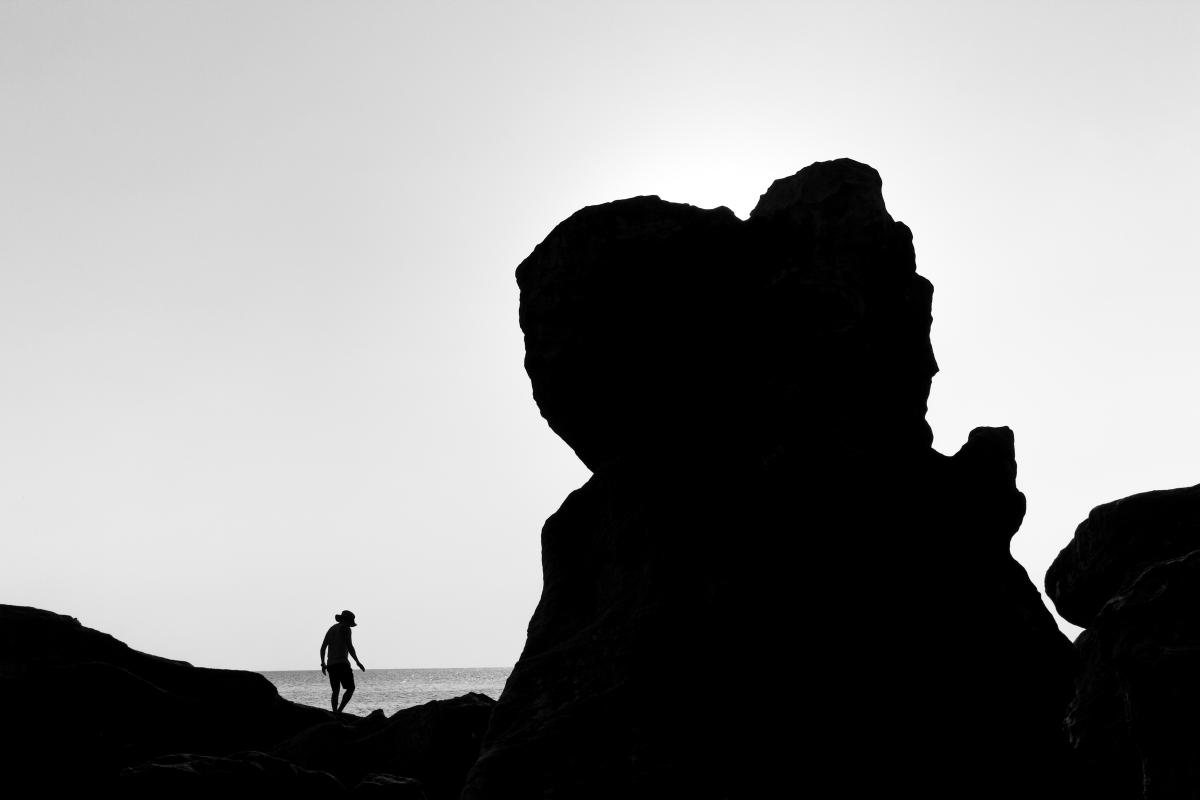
x=259, y=354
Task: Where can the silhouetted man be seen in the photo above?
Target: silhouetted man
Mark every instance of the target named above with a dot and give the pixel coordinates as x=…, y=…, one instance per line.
x=341, y=650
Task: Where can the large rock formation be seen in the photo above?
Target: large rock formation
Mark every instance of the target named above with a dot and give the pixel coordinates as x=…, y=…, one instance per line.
x=1132, y=576
x=771, y=584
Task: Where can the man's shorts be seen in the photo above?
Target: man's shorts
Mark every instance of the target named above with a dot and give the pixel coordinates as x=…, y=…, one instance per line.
x=341, y=674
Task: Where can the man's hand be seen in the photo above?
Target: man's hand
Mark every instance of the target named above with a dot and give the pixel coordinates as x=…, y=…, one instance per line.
x=360, y=666
x=322, y=668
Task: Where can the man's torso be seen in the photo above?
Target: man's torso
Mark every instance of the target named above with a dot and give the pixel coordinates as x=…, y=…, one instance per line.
x=338, y=639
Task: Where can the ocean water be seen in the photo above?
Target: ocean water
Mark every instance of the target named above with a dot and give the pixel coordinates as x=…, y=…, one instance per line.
x=391, y=689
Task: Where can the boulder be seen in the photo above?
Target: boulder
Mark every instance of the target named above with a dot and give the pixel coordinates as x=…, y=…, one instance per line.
x=655, y=328
x=434, y=743
x=771, y=584
x=1116, y=542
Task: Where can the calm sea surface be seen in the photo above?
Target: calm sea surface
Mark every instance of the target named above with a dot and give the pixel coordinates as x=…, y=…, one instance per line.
x=391, y=689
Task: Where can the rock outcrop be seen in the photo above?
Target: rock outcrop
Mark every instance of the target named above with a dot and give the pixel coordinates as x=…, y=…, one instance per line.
x=772, y=584
x=1131, y=575
x=87, y=700
x=1116, y=542
x=434, y=743
x=85, y=712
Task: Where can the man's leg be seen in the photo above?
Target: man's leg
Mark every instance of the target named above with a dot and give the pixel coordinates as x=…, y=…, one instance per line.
x=333, y=684
x=348, y=683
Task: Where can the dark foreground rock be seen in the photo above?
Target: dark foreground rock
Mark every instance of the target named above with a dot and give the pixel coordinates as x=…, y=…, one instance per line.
x=1132, y=574
x=80, y=698
x=237, y=775
x=389, y=787
x=251, y=774
x=434, y=743
x=771, y=585
x=84, y=712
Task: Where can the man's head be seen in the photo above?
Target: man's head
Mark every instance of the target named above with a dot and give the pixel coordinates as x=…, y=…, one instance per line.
x=346, y=618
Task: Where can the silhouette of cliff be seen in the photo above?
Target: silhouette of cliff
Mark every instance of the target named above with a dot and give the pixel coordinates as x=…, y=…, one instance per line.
x=771, y=585
x=1131, y=576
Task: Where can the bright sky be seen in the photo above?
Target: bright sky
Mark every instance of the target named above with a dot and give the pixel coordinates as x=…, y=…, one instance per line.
x=259, y=354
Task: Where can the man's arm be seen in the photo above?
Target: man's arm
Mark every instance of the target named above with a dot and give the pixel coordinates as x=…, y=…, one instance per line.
x=350, y=648
x=324, y=644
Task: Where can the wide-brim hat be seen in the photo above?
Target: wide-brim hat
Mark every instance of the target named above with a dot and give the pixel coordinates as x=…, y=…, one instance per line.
x=346, y=617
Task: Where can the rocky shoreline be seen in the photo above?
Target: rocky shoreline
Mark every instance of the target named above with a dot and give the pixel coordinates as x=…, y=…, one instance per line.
x=86, y=712
x=750, y=397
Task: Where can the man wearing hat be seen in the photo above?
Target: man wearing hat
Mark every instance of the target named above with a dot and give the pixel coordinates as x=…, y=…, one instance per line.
x=341, y=650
